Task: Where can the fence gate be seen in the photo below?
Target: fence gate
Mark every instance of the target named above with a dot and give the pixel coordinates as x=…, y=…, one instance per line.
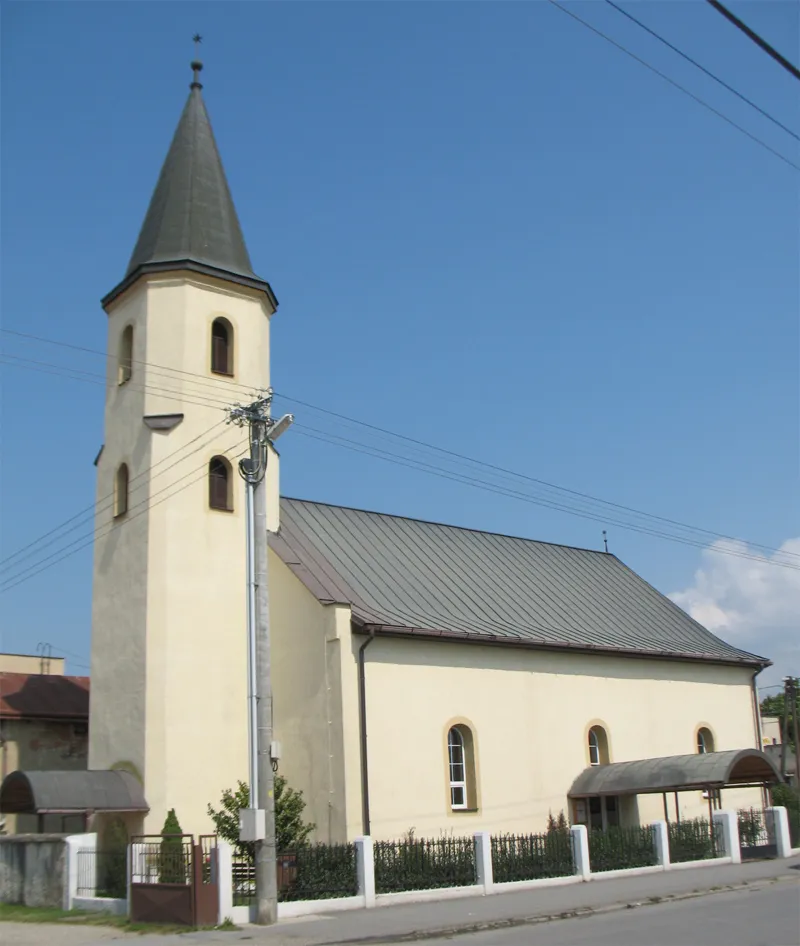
x=174, y=880
x=756, y=833
x=206, y=881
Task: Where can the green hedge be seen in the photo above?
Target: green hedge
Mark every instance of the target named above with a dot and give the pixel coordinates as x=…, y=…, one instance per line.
x=424, y=864
x=621, y=848
x=532, y=856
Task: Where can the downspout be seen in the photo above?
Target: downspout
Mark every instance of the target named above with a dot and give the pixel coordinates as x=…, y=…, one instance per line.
x=765, y=794
x=362, y=718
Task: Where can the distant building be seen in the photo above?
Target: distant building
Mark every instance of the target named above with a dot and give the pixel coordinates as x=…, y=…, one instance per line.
x=44, y=726
x=771, y=730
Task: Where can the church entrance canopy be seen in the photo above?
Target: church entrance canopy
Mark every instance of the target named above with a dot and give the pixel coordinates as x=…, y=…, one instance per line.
x=40, y=793
x=735, y=768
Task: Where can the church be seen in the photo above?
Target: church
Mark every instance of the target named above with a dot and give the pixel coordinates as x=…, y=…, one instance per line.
x=426, y=677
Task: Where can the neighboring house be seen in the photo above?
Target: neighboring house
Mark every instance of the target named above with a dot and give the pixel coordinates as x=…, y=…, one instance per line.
x=425, y=676
x=44, y=724
x=771, y=730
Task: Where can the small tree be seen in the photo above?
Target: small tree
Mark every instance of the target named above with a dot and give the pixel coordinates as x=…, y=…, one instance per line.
x=172, y=868
x=291, y=831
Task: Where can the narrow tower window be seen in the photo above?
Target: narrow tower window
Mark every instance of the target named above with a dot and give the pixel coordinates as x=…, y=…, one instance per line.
x=121, y=491
x=219, y=484
x=125, y=361
x=222, y=347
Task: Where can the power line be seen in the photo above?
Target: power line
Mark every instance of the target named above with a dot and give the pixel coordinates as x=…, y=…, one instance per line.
x=190, y=397
x=39, y=567
x=703, y=69
x=677, y=85
x=101, y=505
x=379, y=453
x=710, y=534
x=758, y=40
x=559, y=489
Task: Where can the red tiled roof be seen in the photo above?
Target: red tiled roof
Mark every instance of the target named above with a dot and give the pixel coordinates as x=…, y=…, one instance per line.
x=42, y=696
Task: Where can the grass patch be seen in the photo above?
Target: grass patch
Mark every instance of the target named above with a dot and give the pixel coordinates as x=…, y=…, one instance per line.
x=16, y=913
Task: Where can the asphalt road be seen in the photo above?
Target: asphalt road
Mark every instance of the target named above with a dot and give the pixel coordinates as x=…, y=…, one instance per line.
x=766, y=916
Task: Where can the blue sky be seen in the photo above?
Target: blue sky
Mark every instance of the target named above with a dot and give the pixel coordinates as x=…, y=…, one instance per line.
x=487, y=228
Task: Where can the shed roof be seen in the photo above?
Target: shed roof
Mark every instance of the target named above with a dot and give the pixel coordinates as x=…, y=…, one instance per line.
x=676, y=773
x=43, y=696
x=405, y=576
x=93, y=790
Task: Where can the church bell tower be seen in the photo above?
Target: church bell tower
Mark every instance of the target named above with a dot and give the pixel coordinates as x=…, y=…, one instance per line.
x=188, y=334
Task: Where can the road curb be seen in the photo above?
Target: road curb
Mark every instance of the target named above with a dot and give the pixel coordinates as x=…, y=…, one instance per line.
x=535, y=919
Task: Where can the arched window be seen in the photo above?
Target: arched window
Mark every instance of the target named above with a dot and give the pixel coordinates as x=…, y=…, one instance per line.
x=219, y=484
x=121, y=491
x=598, y=746
x=222, y=347
x=125, y=358
x=461, y=768
x=705, y=741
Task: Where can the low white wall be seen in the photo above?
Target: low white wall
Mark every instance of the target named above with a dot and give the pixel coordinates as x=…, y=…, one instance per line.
x=114, y=906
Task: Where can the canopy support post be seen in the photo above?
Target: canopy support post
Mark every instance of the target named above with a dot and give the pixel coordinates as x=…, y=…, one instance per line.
x=677, y=809
x=666, y=807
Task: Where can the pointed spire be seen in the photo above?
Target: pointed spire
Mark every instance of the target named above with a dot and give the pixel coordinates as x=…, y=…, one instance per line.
x=191, y=222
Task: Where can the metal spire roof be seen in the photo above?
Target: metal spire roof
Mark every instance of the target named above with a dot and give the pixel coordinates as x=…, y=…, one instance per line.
x=191, y=222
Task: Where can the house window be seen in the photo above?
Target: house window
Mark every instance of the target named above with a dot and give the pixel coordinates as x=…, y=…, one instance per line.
x=705, y=741
x=125, y=359
x=121, y=491
x=222, y=347
x=598, y=746
x=219, y=484
x=461, y=769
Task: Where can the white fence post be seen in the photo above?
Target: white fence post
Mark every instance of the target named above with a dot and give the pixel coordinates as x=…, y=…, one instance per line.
x=580, y=850
x=224, y=880
x=365, y=861
x=483, y=861
x=76, y=843
x=729, y=829
x=780, y=829
x=661, y=841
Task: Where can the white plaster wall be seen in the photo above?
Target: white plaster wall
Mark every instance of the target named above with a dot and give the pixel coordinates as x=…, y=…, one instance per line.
x=530, y=712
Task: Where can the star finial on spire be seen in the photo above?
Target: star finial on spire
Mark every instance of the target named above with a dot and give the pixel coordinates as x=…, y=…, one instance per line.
x=197, y=65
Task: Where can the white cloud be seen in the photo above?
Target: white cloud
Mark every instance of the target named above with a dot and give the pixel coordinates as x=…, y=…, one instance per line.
x=751, y=604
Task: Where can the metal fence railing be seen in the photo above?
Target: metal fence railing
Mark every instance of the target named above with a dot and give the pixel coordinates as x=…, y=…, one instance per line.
x=531, y=856
x=102, y=874
x=620, y=848
x=312, y=872
x=164, y=861
x=424, y=864
x=693, y=840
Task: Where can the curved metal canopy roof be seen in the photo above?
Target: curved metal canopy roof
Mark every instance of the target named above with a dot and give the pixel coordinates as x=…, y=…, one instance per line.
x=676, y=773
x=41, y=792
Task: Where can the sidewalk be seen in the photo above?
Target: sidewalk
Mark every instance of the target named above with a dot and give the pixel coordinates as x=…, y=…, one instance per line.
x=410, y=922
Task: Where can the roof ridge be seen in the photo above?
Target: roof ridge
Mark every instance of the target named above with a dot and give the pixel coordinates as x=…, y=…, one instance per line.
x=450, y=525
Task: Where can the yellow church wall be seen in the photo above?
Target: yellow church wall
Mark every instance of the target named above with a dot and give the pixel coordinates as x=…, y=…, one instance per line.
x=306, y=682
x=169, y=637
x=119, y=603
x=530, y=713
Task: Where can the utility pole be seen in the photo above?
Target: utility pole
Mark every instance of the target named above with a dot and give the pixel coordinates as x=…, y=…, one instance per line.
x=796, y=735
x=257, y=823
x=787, y=693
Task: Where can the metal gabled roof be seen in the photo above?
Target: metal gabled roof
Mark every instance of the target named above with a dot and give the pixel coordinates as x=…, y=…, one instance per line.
x=676, y=773
x=405, y=576
x=191, y=222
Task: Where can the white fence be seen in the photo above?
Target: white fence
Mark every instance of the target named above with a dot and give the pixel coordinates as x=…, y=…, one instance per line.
x=366, y=897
